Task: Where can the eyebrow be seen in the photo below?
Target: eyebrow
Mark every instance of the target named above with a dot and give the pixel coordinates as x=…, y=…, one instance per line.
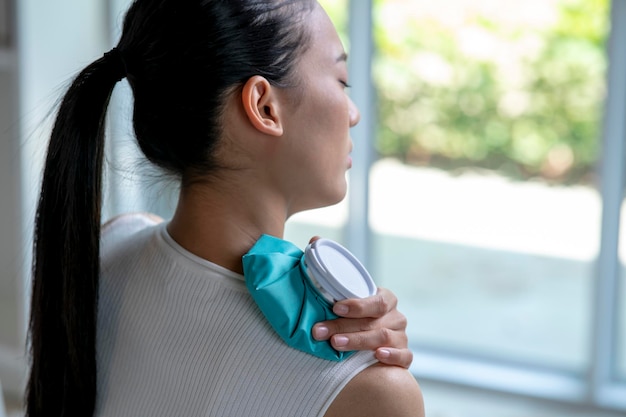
x=343, y=57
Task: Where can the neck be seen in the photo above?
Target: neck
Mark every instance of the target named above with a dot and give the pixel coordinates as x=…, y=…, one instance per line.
x=222, y=225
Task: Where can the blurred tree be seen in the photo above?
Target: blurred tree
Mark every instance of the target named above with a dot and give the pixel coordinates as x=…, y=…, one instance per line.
x=520, y=94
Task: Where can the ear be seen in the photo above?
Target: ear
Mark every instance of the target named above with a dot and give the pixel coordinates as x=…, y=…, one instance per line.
x=261, y=105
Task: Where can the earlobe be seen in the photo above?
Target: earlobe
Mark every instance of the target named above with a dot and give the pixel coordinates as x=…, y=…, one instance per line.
x=261, y=106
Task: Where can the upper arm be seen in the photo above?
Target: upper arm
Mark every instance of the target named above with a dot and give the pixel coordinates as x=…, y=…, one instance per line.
x=379, y=390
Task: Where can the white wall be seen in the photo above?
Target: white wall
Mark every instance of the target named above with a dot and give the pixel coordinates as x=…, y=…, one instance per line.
x=55, y=40
x=11, y=265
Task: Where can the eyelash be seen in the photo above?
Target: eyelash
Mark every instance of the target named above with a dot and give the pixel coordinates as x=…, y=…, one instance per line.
x=345, y=84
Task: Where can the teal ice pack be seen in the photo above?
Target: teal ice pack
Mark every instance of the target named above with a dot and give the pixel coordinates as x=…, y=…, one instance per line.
x=296, y=289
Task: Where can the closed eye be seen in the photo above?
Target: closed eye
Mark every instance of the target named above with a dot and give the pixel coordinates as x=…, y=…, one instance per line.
x=345, y=84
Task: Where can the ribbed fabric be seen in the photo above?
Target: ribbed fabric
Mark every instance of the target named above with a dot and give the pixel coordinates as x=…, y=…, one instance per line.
x=181, y=336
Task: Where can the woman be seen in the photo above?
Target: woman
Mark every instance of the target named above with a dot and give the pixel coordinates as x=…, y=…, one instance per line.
x=244, y=101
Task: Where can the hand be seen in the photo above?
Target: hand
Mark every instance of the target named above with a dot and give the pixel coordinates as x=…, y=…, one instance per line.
x=371, y=323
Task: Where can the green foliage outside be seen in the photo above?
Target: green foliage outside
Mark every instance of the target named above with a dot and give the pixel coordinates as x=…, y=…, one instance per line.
x=521, y=97
x=520, y=92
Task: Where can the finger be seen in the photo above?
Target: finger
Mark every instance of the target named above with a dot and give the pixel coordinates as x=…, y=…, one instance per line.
x=375, y=306
x=313, y=239
x=325, y=329
x=396, y=357
x=368, y=340
x=321, y=331
x=392, y=321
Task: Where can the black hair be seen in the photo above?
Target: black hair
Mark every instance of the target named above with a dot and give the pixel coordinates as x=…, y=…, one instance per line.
x=181, y=58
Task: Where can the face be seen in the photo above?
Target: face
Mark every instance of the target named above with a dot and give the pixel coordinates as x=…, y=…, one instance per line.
x=317, y=126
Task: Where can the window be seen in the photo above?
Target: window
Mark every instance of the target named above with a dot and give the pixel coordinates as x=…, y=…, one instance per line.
x=483, y=203
x=493, y=195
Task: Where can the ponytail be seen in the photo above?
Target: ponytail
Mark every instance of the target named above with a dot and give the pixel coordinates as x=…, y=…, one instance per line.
x=66, y=249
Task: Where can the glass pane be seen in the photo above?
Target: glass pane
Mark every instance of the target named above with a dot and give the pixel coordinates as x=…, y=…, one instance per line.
x=483, y=204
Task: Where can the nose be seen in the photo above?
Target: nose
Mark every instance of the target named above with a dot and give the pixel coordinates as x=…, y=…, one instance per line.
x=354, y=113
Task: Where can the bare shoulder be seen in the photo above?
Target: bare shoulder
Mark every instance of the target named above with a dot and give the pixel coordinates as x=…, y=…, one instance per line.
x=379, y=390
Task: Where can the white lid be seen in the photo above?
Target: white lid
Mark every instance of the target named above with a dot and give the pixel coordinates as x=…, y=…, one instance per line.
x=338, y=271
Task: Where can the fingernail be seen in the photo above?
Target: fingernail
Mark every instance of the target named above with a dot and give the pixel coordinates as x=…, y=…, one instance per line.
x=340, y=309
x=320, y=332
x=384, y=353
x=340, y=341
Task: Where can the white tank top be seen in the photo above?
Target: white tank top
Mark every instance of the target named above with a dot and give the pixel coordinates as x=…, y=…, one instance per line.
x=181, y=336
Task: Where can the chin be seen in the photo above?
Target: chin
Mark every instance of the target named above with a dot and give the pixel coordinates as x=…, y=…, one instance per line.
x=329, y=199
x=334, y=198
x=338, y=194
